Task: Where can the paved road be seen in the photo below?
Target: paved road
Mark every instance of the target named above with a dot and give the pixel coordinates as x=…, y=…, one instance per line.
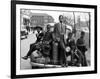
x=25, y=44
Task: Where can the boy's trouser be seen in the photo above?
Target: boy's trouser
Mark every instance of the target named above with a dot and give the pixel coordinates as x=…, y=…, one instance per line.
x=82, y=58
x=32, y=48
x=63, y=58
x=55, y=52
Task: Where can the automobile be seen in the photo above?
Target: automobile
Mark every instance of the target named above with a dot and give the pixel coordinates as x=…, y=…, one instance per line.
x=24, y=34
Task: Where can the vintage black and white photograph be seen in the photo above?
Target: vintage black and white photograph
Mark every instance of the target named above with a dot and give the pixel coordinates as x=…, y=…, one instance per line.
x=54, y=39
x=51, y=39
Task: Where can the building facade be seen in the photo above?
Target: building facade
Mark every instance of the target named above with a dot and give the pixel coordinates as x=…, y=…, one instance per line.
x=31, y=20
x=40, y=19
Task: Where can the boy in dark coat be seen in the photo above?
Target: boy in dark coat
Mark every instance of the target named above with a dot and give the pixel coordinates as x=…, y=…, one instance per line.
x=36, y=45
x=82, y=47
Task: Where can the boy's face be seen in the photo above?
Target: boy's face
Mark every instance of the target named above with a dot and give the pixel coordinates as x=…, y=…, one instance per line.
x=48, y=28
x=61, y=18
x=70, y=35
x=38, y=30
x=82, y=35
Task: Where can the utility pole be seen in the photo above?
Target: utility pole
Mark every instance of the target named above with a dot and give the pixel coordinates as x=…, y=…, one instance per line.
x=89, y=28
x=74, y=29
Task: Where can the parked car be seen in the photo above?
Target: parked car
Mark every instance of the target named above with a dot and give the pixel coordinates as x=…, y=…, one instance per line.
x=24, y=34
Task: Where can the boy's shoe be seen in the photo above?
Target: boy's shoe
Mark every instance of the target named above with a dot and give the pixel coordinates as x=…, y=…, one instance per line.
x=25, y=57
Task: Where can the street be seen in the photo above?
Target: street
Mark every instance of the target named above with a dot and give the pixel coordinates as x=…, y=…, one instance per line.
x=25, y=45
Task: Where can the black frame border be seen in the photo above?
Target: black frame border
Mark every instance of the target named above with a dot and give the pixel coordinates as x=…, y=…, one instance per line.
x=13, y=38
